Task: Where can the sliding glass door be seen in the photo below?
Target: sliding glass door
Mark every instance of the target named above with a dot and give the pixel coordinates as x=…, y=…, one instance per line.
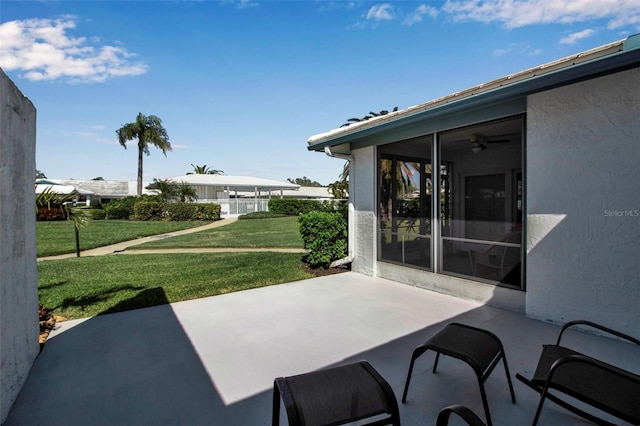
x=405, y=190
x=478, y=211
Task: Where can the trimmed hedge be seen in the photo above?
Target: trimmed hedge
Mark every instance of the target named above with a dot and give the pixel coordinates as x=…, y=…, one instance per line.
x=294, y=207
x=325, y=237
x=149, y=210
x=260, y=215
x=192, y=211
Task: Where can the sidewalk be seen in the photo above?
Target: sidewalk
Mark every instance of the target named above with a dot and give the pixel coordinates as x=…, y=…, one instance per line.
x=120, y=248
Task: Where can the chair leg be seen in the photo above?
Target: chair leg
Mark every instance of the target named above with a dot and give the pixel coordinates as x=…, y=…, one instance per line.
x=435, y=364
x=485, y=404
x=406, y=384
x=506, y=369
x=275, y=416
x=416, y=353
x=539, y=409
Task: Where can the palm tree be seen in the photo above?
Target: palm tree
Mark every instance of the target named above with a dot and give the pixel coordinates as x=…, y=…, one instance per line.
x=166, y=189
x=204, y=170
x=148, y=130
x=48, y=199
x=186, y=192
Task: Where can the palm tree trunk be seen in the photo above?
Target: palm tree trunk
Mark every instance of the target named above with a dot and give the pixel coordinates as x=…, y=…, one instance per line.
x=77, y=240
x=139, y=170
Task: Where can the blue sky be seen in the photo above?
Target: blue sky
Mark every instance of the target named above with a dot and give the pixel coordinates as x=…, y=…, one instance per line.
x=242, y=85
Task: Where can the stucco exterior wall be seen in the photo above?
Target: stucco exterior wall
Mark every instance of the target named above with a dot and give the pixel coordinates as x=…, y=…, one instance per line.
x=363, y=190
x=583, y=202
x=18, y=271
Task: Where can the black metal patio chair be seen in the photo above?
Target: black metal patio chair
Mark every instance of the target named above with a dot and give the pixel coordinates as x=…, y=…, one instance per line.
x=480, y=349
x=336, y=396
x=606, y=387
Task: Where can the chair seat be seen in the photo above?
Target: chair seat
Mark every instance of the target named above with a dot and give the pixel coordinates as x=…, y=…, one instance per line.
x=336, y=396
x=480, y=349
x=476, y=348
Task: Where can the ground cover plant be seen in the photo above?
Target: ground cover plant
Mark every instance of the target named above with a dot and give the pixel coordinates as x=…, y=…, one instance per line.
x=58, y=237
x=279, y=232
x=89, y=286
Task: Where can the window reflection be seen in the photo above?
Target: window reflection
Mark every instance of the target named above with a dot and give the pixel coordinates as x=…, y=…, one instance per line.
x=405, y=202
x=479, y=202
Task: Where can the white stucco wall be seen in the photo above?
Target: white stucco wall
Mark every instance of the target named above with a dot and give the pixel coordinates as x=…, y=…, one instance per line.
x=583, y=202
x=363, y=192
x=18, y=272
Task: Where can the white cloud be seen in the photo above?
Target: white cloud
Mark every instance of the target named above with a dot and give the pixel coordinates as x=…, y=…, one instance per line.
x=519, y=13
x=327, y=6
x=246, y=4
x=380, y=12
x=419, y=13
x=572, y=38
x=42, y=50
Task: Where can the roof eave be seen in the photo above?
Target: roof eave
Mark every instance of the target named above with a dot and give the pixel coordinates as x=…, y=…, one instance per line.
x=627, y=57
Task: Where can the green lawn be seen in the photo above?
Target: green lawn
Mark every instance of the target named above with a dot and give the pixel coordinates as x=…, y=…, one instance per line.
x=89, y=286
x=282, y=232
x=59, y=238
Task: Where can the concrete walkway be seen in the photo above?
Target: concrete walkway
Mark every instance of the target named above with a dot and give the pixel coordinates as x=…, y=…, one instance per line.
x=212, y=361
x=120, y=248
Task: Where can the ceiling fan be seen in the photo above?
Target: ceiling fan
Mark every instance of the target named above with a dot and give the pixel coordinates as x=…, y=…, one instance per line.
x=479, y=142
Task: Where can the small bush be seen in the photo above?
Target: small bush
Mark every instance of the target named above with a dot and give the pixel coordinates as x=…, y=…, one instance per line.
x=52, y=213
x=98, y=214
x=325, y=237
x=191, y=211
x=148, y=210
x=120, y=209
x=260, y=215
x=294, y=207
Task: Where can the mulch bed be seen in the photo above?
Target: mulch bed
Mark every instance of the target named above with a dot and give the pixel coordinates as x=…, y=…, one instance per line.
x=321, y=272
x=47, y=323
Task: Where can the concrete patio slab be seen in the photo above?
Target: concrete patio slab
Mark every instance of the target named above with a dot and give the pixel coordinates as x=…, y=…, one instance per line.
x=213, y=360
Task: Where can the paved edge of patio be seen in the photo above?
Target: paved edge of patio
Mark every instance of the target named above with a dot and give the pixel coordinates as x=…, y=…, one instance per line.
x=213, y=360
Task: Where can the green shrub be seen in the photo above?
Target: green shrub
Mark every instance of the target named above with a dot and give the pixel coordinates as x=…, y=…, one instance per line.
x=149, y=210
x=191, y=211
x=120, y=209
x=325, y=237
x=207, y=211
x=260, y=215
x=98, y=214
x=294, y=207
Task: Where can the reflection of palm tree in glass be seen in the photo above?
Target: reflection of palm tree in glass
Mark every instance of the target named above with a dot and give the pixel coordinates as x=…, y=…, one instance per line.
x=401, y=198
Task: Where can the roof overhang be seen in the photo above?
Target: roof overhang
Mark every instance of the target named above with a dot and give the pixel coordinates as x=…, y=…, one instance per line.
x=236, y=183
x=506, y=94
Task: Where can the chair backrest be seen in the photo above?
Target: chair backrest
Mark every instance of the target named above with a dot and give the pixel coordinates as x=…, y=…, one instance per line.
x=465, y=413
x=604, y=386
